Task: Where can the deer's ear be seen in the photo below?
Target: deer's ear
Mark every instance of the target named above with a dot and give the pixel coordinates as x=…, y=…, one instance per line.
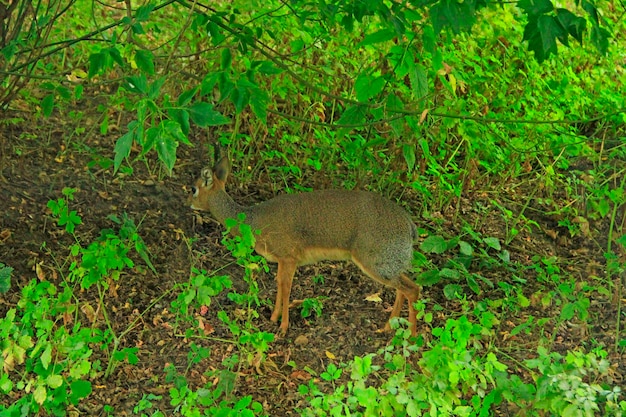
x=206, y=177
x=222, y=169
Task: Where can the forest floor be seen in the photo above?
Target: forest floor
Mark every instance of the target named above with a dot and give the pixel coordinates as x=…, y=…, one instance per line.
x=38, y=158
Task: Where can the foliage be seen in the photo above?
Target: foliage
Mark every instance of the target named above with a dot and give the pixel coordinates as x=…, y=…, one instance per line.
x=436, y=103
x=457, y=376
x=5, y=278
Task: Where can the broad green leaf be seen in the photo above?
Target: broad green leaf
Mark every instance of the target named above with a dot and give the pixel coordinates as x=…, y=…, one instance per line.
x=173, y=129
x=408, y=151
x=149, y=139
x=419, y=81
x=472, y=284
x=122, y=148
x=154, y=89
x=209, y=82
x=367, y=87
x=5, y=278
x=600, y=38
x=46, y=357
x=493, y=242
x=452, y=291
x=114, y=55
x=143, y=12
x=204, y=115
x=541, y=34
x=215, y=33
x=575, y=25
x=54, y=381
x=458, y=16
x=434, y=244
x=268, y=67
x=166, y=150
x=449, y=273
x=79, y=389
x=181, y=116
x=535, y=7
x=465, y=248
x=137, y=84
x=186, y=96
x=145, y=61
x=40, y=395
x=96, y=64
x=258, y=103
x=383, y=35
x=354, y=115
x=137, y=28
x=240, y=96
x=227, y=59
x=47, y=105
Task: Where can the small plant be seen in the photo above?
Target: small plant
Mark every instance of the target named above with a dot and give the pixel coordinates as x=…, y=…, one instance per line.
x=312, y=306
x=46, y=364
x=59, y=209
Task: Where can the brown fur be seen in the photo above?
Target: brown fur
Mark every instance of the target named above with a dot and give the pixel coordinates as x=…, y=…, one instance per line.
x=299, y=229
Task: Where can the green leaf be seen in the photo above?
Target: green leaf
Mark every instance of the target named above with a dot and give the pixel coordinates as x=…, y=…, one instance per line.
x=227, y=59
x=541, y=35
x=434, y=244
x=534, y=8
x=458, y=16
x=145, y=61
x=154, y=89
x=383, y=35
x=143, y=12
x=354, y=115
x=186, y=96
x=114, y=55
x=137, y=84
x=449, y=273
x=46, y=357
x=465, y=248
x=408, y=151
x=5, y=278
x=40, y=394
x=122, y=147
x=79, y=389
x=166, y=150
x=204, y=115
x=600, y=39
x=574, y=25
x=472, y=284
x=173, y=129
x=47, y=105
x=180, y=116
x=367, y=87
x=452, y=291
x=240, y=96
x=96, y=64
x=258, y=103
x=268, y=68
x=149, y=139
x=493, y=242
x=419, y=81
x=54, y=381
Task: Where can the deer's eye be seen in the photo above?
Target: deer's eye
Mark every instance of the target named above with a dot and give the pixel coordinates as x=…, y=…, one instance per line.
x=194, y=190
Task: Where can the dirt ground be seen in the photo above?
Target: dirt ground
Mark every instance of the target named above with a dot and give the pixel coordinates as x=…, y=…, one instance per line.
x=39, y=157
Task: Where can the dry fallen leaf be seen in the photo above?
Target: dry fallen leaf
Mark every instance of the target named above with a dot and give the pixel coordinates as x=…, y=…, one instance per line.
x=375, y=298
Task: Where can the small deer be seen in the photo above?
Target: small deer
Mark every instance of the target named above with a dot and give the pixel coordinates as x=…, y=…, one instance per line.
x=300, y=229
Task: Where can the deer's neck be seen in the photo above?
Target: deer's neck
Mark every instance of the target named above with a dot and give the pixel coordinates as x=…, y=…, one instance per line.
x=223, y=207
